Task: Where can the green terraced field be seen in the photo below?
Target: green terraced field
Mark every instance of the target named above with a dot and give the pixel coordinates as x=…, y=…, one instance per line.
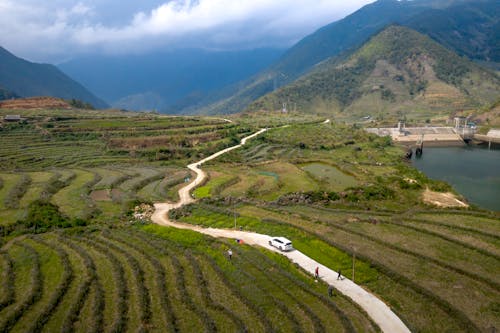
x=333, y=189
x=158, y=279
x=408, y=265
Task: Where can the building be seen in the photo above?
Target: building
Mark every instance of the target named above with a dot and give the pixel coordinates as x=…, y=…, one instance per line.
x=12, y=118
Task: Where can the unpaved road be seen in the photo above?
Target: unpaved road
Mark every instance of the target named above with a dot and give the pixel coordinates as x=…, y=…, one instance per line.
x=376, y=309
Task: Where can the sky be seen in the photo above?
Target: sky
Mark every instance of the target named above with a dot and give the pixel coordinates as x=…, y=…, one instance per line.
x=53, y=30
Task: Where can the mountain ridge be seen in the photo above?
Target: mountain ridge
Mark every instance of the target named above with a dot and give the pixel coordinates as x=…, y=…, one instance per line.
x=28, y=79
x=396, y=72
x=349, y=33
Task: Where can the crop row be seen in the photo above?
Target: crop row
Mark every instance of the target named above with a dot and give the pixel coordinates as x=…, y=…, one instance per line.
x=17, y=192
x=298, y=284
x=446, y=238
x=168, y=249
x=160, y=277
x=122, y=293
x=208, y=301
x=144, y=300
x=460, y=317
x=308, y=312
x=59, y=292
x=83, y=291
x=32, y=296
x=55, y=184
x=8, y=278
x=183, y=288
x=418, y=255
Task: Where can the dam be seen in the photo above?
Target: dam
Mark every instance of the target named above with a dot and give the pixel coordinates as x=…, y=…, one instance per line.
x=430, y=135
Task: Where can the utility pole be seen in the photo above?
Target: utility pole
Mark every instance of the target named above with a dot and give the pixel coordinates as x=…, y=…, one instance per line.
x=234, y=213
x=353, y=260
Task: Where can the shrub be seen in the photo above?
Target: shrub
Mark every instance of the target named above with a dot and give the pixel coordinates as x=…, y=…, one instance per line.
x=17, y=192
x=370, y=192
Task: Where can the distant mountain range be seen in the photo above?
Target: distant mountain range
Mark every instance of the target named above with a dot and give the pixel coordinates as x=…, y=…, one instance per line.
x=194, y=81
x=167, y=81
x=397, y=72
x=21, y=78
x=469, y=27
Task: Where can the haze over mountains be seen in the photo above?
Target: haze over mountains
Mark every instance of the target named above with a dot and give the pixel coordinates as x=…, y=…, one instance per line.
x=166, y=81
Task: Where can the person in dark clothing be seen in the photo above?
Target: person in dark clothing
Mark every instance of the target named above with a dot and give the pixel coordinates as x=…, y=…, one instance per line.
x=339, y=277
x=316, y=273
x=330, y=290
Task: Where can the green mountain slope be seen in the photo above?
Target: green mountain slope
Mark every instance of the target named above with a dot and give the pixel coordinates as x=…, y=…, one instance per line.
x=398, y=71
x=29, y=79
x=465, y=26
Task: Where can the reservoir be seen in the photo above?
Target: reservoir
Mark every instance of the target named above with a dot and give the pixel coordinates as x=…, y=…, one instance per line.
x=473, y=171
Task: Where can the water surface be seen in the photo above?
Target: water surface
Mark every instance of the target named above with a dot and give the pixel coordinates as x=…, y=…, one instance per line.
x=474, y=172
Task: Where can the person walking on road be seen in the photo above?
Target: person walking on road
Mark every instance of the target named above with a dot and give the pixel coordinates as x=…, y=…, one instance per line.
x=339, y=277
x=316, y=273
x=230, y=254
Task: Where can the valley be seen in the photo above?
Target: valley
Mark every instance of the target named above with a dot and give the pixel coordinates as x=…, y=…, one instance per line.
x=242, y=166
x=336, y=191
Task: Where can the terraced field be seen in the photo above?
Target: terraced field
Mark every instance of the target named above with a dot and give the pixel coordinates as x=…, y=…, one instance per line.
x=127, y=280
x=103, y=193
x=94, y=166
x=73, y=259
x=444, y=269
x=98, y=139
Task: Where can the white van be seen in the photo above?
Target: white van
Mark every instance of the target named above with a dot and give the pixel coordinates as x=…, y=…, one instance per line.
x=281, y=243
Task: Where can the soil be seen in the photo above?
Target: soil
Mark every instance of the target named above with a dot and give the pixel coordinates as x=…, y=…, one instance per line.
x=100, y=195
x=439, y=199
x=34, y=103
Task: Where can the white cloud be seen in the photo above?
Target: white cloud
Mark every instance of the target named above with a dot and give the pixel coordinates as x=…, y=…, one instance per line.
x=60, y=27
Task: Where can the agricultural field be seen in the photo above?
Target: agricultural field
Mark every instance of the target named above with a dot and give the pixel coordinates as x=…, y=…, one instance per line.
x=156, y=279
x=436, y=268
x=447, y=275
x=74, y=258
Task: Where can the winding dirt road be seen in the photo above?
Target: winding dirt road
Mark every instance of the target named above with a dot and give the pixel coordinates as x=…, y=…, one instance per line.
x=374, y=307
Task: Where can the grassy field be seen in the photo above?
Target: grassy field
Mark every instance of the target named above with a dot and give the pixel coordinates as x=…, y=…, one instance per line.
x=73, y=258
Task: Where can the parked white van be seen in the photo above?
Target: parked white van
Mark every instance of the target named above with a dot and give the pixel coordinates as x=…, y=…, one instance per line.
x=281, y=243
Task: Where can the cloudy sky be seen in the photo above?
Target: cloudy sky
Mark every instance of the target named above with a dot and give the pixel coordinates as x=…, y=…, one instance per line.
x=54, y=30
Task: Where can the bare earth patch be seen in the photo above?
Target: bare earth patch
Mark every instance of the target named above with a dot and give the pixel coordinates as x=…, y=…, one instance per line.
x=100, y=195
x=439, y=199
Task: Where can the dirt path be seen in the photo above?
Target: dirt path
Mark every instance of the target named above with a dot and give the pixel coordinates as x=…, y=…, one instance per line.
x=376, y=309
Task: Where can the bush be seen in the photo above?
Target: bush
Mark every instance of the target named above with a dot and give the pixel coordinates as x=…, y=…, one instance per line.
x=41, y=217
x=370, y=192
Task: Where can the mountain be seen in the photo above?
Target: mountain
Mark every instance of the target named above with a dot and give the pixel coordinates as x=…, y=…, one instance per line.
x=27, y=79
x=168, y=81
x=469, y=27
x=397, y=72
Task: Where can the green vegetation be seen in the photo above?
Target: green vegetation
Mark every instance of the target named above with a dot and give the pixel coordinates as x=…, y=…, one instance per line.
x=397, y=72
x=80, y=105
x=75, y=258
x=165, y=279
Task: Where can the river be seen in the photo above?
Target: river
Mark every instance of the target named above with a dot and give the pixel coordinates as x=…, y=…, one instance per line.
x=473, y=171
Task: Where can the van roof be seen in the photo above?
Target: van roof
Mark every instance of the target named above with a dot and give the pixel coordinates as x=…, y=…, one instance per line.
x=283, y=239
